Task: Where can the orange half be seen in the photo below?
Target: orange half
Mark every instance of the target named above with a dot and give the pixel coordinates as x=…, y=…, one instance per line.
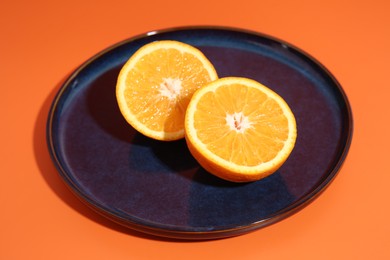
x=239, y=130
x=156, y=84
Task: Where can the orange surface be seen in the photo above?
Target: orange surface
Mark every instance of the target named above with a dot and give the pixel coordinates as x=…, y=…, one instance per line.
x=44, y=41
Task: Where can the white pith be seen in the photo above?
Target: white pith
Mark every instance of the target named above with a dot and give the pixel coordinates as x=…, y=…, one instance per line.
x=170, y=88
x=238, y=122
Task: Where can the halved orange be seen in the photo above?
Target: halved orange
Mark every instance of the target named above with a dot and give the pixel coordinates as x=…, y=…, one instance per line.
x=239, y=129
x=155, y=85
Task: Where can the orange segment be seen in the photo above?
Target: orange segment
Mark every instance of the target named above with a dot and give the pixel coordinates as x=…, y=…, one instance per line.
x=239, y=130
x=156, y=84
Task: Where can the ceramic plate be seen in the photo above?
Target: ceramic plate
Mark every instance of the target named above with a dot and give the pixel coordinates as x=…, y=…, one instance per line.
x=157, y=187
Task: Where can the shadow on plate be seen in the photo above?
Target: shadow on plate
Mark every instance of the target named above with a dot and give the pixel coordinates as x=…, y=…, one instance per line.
x=103, y=108
x=53, y=180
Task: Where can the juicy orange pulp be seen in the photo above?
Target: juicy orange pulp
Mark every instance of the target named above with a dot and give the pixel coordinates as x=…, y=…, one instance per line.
x=156, y=84
x=239, y=129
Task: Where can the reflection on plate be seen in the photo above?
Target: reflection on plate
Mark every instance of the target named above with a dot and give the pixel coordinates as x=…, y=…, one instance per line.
x=157, y=187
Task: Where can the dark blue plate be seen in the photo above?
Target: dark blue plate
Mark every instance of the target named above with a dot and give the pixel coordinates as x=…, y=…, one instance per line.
x=157, y=187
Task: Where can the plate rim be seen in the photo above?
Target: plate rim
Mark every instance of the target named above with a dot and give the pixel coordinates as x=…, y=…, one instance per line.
x=213, y=234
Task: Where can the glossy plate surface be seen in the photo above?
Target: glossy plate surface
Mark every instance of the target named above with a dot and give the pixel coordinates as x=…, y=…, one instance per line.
x=157, y=187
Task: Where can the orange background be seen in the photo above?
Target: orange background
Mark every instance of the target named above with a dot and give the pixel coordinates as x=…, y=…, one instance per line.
x=42, y=42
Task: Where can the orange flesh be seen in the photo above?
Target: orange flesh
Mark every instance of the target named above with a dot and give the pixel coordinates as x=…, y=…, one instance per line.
x=257, y=141
x=155, y=110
